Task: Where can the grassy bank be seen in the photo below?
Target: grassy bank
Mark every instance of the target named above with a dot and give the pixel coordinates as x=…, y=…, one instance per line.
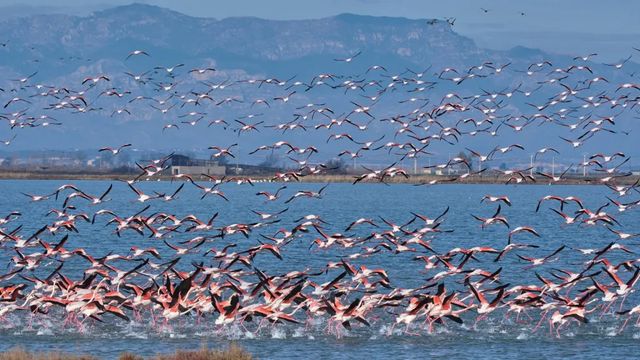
x=234, y=352
x=413, y=179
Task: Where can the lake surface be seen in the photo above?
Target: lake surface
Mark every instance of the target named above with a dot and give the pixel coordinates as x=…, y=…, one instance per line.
x=498, y=336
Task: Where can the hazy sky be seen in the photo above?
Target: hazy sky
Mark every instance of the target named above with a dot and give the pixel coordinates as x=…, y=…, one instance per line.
x=609, y=27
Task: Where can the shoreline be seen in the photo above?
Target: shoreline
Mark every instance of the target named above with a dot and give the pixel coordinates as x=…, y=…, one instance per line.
x=230, y=352
x=413, y=179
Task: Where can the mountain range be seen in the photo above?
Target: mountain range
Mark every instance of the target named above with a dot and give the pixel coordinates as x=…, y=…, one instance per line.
x=63, y=50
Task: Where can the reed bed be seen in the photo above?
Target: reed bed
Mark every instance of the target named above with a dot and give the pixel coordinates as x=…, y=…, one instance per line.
x=233, y=352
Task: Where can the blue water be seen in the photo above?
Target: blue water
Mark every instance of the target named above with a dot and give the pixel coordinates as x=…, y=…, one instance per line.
x=495, y=337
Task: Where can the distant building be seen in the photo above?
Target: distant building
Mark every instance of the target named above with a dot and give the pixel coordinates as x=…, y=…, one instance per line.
x=432, y=171
x=181, y=164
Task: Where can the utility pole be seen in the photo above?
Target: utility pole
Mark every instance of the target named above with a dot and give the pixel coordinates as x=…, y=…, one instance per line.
x=531, y=166
x=553, y=166
x=584, y=165
x=415, y=166
x=237, y=158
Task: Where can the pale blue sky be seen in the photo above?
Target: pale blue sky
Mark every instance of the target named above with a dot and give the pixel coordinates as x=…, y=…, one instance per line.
x=572, y=27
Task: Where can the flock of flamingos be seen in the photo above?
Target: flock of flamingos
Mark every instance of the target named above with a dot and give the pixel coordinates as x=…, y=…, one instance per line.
x=181, y=267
